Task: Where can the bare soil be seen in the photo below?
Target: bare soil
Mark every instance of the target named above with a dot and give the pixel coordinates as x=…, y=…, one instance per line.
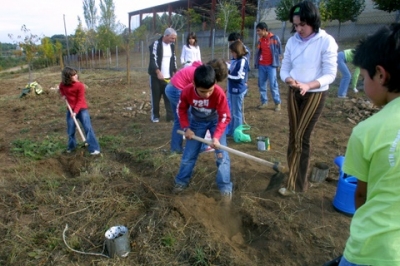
x=130, y=184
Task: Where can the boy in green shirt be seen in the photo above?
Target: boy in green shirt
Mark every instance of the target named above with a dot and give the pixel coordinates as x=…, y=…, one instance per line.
x=346, y=56
x=373, y=156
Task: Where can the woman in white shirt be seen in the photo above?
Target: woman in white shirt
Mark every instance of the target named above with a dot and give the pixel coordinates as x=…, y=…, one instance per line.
x=309, y=65
x=190, y=51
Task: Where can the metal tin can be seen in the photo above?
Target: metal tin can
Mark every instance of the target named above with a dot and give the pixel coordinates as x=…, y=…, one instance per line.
x=261, y=143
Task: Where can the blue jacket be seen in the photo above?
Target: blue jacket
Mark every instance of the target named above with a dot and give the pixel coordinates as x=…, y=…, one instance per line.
x=276, y=51
x=237, y=75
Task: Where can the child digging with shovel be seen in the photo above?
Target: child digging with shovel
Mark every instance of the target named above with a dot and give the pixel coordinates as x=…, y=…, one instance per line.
x=209, y=111
x=73, y=91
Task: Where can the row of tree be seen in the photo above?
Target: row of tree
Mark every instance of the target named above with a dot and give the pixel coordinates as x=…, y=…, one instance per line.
x=104, y=32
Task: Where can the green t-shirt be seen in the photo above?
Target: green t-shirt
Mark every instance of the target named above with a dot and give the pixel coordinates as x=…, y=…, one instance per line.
x=348, y=55
x=373, y=156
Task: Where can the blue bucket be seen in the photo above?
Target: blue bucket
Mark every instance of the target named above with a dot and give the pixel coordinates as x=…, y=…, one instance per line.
x=345, y=191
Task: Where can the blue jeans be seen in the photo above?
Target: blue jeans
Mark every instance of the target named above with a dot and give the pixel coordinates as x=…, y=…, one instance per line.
x=344, y=262
x=236, y=107
x=84, y=117
x=346, y=75
x=266, y=73
x=192, y=150
x=173, y=95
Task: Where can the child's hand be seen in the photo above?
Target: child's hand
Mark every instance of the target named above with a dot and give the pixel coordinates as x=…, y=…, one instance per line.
x=215, y=144
x=189, y=134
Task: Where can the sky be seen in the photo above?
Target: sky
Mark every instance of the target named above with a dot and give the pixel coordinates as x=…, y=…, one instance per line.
x=46, y=17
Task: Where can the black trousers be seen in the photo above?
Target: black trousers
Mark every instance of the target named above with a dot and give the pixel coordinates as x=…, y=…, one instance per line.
x=157, y=91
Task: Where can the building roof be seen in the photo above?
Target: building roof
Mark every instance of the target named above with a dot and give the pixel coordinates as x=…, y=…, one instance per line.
x=203, y=7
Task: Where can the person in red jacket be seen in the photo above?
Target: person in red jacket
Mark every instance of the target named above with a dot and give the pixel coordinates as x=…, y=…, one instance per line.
x=208, y=107
x=73, y=91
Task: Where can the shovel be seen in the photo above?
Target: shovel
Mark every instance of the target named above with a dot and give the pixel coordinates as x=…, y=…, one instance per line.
x=76, y=123
x=276, y=179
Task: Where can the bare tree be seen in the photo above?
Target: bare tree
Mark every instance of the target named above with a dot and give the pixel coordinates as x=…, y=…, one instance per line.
x=177, y=22
x=264, y=9
x=90, y=13
x=28, y=46
x=107, y=14
x=228, y=17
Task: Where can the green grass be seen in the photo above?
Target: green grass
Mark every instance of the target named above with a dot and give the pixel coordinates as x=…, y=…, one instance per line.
x=38, y=150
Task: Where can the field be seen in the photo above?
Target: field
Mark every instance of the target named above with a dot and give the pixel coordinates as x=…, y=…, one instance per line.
x=43, y=189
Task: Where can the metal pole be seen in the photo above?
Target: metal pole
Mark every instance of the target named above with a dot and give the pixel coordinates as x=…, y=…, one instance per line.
x=254, y=42
x=142, y=53
x=66, y=37
x=116, y=53
x=213, y=44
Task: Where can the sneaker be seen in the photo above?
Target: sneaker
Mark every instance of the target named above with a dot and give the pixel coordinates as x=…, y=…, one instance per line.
x=262, y=106
x=155, y=120
x=177, y=152
x=96, y=152
x=208, y=149
x=342, y=97
x=178, y=188
x=355, y=90
x=226, y=198
x=286, y=192
x=277, y=107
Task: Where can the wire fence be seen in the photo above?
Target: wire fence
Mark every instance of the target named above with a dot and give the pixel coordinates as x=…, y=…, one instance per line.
x=214, y=44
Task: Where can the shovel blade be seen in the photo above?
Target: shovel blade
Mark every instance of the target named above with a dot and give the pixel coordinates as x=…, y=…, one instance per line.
x=276, y=181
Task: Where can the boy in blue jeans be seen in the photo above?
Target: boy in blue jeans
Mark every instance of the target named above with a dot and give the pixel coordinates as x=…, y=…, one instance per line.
x=373, y=155
x=209, y=110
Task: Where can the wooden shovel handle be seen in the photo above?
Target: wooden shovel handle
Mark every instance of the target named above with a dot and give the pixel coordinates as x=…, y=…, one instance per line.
x=76, y=122
x=276, y=166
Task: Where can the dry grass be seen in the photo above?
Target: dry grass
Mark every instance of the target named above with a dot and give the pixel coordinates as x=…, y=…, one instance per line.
x=42, y=189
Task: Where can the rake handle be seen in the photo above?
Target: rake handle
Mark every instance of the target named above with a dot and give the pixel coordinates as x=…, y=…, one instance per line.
x=276, y=166
x=76, y=123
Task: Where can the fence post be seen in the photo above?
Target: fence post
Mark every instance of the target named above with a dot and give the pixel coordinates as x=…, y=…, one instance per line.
x=116, y=54
x=142, y=53
x=109, y=57
x=213, y=44
x=254, y=41
x=93, y=59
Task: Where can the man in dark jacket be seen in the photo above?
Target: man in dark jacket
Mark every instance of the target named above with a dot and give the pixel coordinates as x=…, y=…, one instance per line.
x=162, y=67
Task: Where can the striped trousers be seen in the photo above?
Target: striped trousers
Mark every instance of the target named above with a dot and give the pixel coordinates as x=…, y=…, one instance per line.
x=304, y=112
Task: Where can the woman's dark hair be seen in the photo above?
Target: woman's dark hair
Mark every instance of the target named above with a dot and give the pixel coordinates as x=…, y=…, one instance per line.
x=238, y=48
x=220, y=68
x=67, y=74
x=204, y=76
x=308, y=13
x=191, y=35
x=381, y=49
